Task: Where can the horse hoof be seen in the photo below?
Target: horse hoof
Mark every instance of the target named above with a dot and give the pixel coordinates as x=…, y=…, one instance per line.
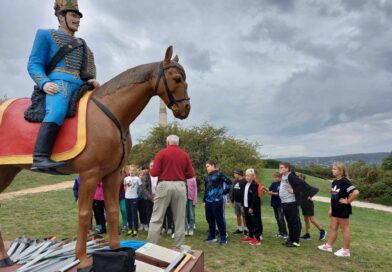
x=6, y=262
x=85, y=269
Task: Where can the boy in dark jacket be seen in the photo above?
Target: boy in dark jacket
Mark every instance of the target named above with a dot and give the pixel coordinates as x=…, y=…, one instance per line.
x=290, y=191
x=213, y=202
x=251, y=208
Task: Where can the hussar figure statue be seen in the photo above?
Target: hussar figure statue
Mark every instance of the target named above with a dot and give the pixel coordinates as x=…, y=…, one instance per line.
x=59, y=64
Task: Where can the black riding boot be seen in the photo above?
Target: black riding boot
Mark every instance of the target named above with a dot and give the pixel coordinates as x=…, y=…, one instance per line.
x=43, y=148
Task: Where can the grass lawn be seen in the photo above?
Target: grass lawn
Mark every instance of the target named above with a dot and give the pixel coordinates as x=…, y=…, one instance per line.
x=28, y=179
x=55, y=213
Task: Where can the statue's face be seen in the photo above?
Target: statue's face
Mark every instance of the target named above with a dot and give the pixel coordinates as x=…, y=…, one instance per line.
x=73, y=20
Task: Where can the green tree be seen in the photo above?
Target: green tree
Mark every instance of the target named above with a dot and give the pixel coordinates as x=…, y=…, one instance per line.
x=387, y=162
x=201, y=143
x=271, y=163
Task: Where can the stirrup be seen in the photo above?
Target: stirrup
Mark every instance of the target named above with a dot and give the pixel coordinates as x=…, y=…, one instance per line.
x=47, y=166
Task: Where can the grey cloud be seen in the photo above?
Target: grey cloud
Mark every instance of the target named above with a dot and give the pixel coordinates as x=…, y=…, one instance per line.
x=356, y=5
x=273, y=71
x=281, y=5
x=195, y=58
x=329, y=95
x=271, y=28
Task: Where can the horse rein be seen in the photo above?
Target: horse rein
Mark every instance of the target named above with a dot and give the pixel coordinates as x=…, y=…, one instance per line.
x=169, y=93
x=110, y=115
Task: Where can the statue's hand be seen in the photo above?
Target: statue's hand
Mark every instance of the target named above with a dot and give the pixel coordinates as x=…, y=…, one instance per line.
x=51, y=88
x=94, y=82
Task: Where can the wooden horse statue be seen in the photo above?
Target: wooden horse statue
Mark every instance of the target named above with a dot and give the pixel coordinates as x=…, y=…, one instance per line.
x=112, y=108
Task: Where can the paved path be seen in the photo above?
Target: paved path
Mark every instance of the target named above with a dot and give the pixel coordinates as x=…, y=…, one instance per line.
x=36, y=190
x=360, y=204
x=69, y=184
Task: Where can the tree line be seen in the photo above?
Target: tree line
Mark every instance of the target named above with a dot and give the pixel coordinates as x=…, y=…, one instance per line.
x=201, y=143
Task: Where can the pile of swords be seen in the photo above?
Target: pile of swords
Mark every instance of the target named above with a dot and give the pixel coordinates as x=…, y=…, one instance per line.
x=49, y=255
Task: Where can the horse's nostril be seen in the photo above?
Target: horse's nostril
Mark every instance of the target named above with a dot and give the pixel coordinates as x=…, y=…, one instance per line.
x=187, y=107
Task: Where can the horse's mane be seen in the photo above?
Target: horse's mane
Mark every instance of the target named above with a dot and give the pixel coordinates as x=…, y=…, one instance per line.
x=138, y=74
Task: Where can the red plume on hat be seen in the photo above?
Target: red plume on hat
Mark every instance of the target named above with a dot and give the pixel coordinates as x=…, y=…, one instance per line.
x=62, y=6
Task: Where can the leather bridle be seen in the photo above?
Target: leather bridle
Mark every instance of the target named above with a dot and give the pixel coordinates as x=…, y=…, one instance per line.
x=172, y=100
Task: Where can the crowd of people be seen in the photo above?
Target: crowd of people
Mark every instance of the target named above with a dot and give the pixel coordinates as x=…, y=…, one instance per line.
x=162, y=199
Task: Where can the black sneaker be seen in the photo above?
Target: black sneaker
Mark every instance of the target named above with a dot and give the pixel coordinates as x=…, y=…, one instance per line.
x=210, y=240
x=237, y=232
x=292, y=244
x=323, y=235
x=246, y=232
x=306, y=237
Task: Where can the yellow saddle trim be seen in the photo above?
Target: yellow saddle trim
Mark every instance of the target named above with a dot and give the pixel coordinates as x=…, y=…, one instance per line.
x=67, y=155
x=5, y=105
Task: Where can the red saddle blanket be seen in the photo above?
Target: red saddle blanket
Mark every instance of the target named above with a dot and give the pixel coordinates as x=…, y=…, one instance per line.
x=18, y=136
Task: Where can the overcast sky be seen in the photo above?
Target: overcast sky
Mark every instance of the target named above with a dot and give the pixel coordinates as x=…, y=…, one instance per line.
x=302, y=78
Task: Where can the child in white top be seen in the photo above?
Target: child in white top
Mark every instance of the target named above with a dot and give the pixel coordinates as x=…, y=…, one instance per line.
x=132, y=185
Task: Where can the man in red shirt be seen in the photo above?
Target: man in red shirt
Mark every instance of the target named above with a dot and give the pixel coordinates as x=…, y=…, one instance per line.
x=172, y=166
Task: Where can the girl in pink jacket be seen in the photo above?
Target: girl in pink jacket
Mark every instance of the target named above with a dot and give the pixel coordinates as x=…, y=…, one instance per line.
x=190, y=206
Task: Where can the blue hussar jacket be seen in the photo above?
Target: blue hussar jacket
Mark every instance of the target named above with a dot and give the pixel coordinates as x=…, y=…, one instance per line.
x=46, y=44
x=216, y=185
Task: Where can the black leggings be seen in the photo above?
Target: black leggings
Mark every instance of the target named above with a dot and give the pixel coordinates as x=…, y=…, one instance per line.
x=293, y=222
x=99, y=213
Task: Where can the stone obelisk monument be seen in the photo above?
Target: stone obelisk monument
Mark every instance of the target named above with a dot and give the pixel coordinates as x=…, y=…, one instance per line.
x=162, y=114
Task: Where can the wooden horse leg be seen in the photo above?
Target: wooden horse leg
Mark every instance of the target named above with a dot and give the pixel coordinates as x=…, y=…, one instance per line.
x=7, y=175
x=111, y=189
x=88, y=184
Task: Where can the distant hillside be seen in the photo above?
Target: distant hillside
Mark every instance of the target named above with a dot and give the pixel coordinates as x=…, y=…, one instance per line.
x=369, y=158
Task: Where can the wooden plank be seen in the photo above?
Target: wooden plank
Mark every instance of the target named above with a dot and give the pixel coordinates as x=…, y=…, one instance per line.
x=145, y=267
x=158, y=252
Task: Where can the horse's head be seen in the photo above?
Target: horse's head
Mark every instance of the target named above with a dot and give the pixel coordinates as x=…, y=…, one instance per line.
x=171, y=86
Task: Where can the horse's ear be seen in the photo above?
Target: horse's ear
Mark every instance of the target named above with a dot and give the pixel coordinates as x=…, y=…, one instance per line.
x=168, y=55
x=176, y=58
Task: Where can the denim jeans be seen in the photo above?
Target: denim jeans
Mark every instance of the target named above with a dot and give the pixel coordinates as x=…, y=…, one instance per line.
x=190, y=215
x=132, y=217
x=279, y=216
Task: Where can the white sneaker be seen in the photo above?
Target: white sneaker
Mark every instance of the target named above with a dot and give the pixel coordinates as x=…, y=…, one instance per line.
x=325, y=247
x=342, y=253
x=163, y=230
x=172, y=236
x=140, y=228
x=146, y=227
x=169, y=231
x=190, y=233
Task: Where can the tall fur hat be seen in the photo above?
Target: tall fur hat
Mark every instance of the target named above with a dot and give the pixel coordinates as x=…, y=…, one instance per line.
x=62, y=6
